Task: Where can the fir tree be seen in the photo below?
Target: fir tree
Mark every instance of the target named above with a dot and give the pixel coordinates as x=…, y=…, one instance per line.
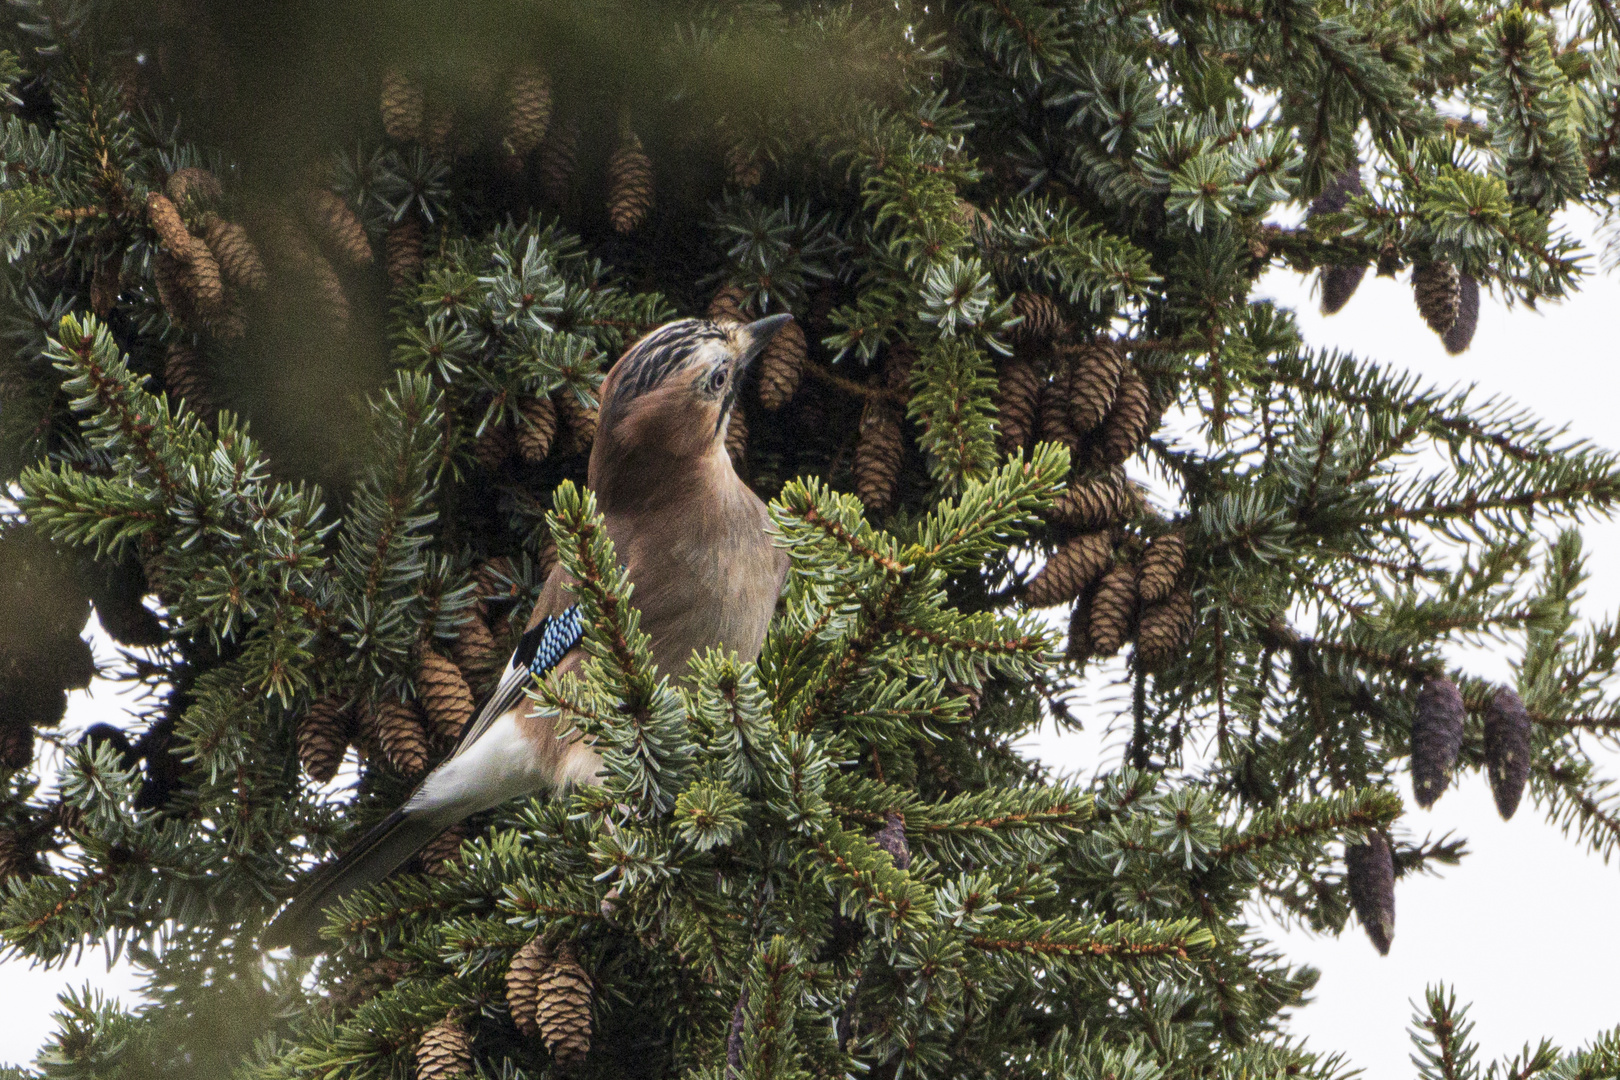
x=305, y=315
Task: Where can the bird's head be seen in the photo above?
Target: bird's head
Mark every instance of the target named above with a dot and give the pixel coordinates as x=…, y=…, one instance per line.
x=665, y=405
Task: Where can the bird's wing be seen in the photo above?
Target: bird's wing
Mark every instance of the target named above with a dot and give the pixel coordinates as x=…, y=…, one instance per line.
x=554, y=630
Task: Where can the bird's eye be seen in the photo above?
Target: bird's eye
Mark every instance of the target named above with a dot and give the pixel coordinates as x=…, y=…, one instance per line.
x=717, y=381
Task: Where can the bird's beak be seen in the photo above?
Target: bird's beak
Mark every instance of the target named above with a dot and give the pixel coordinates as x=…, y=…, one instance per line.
x=755, y=336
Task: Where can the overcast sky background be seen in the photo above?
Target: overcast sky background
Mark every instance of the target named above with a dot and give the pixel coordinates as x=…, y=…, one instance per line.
x=1524, y=928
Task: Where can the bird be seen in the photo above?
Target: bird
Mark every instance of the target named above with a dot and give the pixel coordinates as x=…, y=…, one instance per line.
x=698, y=547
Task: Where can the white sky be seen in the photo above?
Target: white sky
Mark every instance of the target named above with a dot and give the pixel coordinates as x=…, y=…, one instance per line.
x=1524, y=928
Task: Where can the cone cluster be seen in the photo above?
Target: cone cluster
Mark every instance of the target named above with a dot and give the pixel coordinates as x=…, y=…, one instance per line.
x=549, y=995
x=323, y=736
x=444, y=1052
x=1437, y=731
x=1371, y=877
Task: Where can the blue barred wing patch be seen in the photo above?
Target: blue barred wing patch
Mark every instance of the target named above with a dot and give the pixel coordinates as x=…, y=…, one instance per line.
x=541, y=648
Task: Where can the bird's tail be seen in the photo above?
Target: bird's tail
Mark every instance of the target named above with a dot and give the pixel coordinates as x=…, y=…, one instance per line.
x=378, y=854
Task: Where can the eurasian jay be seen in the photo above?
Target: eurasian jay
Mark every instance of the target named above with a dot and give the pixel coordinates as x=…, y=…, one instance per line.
x=695, y=542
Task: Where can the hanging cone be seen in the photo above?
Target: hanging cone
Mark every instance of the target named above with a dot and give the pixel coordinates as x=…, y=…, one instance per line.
x=528, y=110
x=1437, y=731
x=184, y=378
x=745, y=167
x=630, y=184
x=200, y=276
x=444, y=1053
x=1507, y=750
x=559, y=153
x=494, y=445
x=402, y=104
x=16, y=743
x=1160, y=567
x=1072, y=568
x=438, y=129
x=402, y=248
x=442, y=854
x=1043, y=321
x=444, y=695
x=879, y=453
x=165, y=220
x=1095, y=501
x=1052, y=423
x=1339, y=283
x=172, y=293
x=1128, y=421
x=323, y=736
x=1097, y=368
x=782, y=366
x=1018, y=386
x=239, y=260
x=729, y=303
x=537, y=430
x=892, y=838
x=1111, y=610
x=402, y=736
x=1436, y=287
x=1371, y=876
x=897, y=367
x=1080, y=646
x=332, y=219
x=563, y=1013
x=580, y=418
x=1461, y=335
x=737, y=440
x=474, y=650
x=1164, y=630
x=193, y=188
x=523, y=983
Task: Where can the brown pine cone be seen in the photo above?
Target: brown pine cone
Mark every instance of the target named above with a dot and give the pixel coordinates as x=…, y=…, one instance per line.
x=1072, y=569
x=443, y=693
x=529, y=963
x=1052, y=423
x=1127, y=423
x=402, y=104
x=165, y=219
x=239, y=260
x=744, y=166
x=1371, y=877
x=630, y=184
x=17, y=858
x=323, y=735
x=782, y=366
x=1098, y=367
x=201, y=277
x=401, y=734
x=1018, y=387
x=1111, y=610
x=537, y=430
x=1461, y=335
x=494, y=445
x=879, y=453
x=563, y=1011
x=193, y=188
x=440, y=856
x=334, y=220
x=1160, y=567
x=1507, y=750
x=1339, y=283
x=579, y=417
x=1043, y=321
x=438, y=129
x=737, y=440
x=444, y=1053
x=474, y=650
x=1095, y=501
x=185, y=378
x=1437, y=732
x=528, y=110
x=172, y=293
x=729, y=303
x=892, y=838
x=1080, y=646
x=402, y=248
x=1164, y=630
x=16, y=743
x=559, y=154
x=1437, y=288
